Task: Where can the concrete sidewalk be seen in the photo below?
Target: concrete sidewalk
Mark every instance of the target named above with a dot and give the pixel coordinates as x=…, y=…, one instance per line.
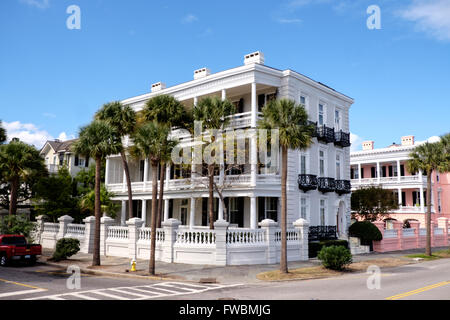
x=115, y=266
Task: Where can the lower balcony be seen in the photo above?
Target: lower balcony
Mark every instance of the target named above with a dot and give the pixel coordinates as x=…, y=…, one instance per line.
x=342, y=139
x=318, y=233
x=325, y=134
x=326, y=185
x=307, y=182
x=343, y=187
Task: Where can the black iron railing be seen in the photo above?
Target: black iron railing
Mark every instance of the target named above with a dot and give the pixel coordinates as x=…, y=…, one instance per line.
x=317, y=233
x=326, y=184
x=342, y=139
x=307, y=182
x=325, y=134
x=343, y=186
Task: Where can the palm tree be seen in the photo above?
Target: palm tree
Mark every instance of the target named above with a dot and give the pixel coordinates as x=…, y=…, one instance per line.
x=150, y=141
x=98, y=140
x=213, y=112
x=123, y=120
x=427, y=157
x=2, y=133
x=291, y=120
x=168, y=111
x=18, y=163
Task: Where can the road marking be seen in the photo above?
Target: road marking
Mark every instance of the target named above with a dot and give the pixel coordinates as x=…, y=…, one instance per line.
x=17, y=293
x=21, y=284
x=147, y=292
x=412, y=292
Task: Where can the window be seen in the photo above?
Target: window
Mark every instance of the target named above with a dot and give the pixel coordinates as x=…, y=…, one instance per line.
x=321, y=115
x=322, y=212
x=183, y=211
x=272, y=208
x=321, y=163
x=303, y=209
x=394, y=168
x=337, y=120
x=338, y=167
x=302, y=164
x=437, y=176
x=439, y=201
x=81, y=162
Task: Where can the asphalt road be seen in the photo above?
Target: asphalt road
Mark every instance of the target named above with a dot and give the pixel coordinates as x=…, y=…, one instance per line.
x=427, y=280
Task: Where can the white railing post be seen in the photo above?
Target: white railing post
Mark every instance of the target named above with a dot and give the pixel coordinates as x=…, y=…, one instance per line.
x=105, y=223
x=302, y=227
x=89, y=233
x=270, y=227
x=134, y=224
x=63, y=222
x=39, y=228
x=220, y=227
x=170, y=227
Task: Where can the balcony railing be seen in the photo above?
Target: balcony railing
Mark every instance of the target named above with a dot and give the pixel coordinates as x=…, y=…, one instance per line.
x=326, y=184
x=325, y=134
x=307, y=182
x=317, y=233
x=390, y=180
x=343, y=187
x=342, y=139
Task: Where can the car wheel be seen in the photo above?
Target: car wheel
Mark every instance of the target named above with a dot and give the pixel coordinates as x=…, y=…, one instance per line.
x=3, y=261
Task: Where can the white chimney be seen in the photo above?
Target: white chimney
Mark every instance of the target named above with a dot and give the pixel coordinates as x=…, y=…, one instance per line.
x=255, y=57
x=158, y=86
x=201, y=73
x=407, y=140
x=367, y=145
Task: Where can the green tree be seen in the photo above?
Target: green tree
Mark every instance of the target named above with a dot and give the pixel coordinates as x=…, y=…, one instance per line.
x=373, y=203
x=170, y=112
x=2, y=133
x=150, y=141
x=98, y=140
x=56, y=196
x=108, y=206
x=428, y=157
x=213, y=113
x=19, y=163
x=86, y=178
x=123, y=120
x=291, y=121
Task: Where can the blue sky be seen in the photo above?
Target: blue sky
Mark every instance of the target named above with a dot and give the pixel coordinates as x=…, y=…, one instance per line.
x=53, y=79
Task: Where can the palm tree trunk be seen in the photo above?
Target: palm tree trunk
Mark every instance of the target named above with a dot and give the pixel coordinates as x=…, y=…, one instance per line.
x=151, y=268
x=97, y=204
x=211, y=196
x=428, y=215
x=14, y=194
x=162, y=177
x=283, y=258
x=127, y=177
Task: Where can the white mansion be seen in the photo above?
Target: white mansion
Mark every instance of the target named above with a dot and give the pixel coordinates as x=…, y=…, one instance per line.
x=318, y=178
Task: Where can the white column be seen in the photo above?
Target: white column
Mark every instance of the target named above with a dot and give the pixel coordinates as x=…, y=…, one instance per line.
x=378, y=171
x=421, y=200
x=192, y=213
x=254, y=105
x=166, y=209
x=124, y=181
x=220, y=213
x=123, y=216
x=224, y=94
x=145, y=174
x=398, y=170
x=253, y=160
x=253, y=218
x=144, y=211
x=107, y=172
x=167, y=176
x=359, y=173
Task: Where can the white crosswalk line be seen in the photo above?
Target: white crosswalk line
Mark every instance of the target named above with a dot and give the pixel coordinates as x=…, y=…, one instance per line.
x=110, y=295
x=82, y=296
x=154, y=294
x=17, y=293
x=129, y=292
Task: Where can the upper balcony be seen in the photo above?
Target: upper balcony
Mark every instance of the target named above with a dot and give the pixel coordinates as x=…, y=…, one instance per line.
x=391, y=181
x=325, y=134
x=307, y=182
x=326, y=184
x=342, y=139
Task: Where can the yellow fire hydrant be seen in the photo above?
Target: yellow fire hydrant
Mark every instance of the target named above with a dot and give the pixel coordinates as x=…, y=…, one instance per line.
x=133, y=265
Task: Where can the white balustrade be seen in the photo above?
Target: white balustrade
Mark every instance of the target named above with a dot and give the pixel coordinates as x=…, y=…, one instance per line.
x=51, y=227
x=438, y=231
x=241, y=236
x=196, y=237
x=422, y=231
x=408, y=232
x=116, y=232
x=145, y=234
x=291, y=235
x=76, y=230
x=390, y=233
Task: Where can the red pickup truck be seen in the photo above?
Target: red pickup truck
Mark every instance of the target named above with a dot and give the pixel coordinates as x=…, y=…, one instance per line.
x=15, y=247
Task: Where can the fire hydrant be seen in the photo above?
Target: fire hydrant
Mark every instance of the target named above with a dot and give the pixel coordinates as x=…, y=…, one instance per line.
x=133, y=265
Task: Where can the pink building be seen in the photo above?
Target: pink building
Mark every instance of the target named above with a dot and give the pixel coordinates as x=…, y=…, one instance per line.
x=386, y=167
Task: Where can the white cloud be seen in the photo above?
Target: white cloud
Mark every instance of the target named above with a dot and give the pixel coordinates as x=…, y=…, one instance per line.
x=189, y=18
x=49, y=115
x=29, y=133
x=288, y=21
x=41, y=4
x=430, y=16
x=356, y=142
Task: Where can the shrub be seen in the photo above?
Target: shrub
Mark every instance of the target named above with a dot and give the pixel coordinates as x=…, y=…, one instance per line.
x=315, y=247
x=65, y=248
x=335, y=257
x=17, y=224
x=366, y=231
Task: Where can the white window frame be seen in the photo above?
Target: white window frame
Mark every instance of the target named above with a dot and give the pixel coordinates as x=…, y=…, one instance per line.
x=306, y=155
x=340, y=126
x=325, y=162
x=307, y=207
x=341, y=156
x=324, y=114
x=324, y=211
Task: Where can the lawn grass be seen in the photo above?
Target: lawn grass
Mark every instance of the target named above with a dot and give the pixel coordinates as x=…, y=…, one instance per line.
x=441, y=254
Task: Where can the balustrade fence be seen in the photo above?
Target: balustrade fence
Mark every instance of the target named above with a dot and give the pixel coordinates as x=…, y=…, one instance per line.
x=174, y=243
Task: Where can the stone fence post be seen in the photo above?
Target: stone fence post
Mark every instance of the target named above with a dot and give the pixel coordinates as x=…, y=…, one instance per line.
x=89, y=234
x=63, y=222
x=40, y=220
x=303, y=229
x=170, y=227
x=416, y=226
x=443, y=223
x=220, y=227
x=378, y=245
x=134, y=224
x=105, y=223
x=270, y=227
x=399, y=227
